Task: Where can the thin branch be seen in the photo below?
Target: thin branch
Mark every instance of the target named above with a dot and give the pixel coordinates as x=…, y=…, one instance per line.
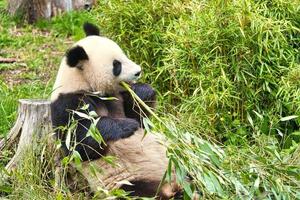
x=8, y=60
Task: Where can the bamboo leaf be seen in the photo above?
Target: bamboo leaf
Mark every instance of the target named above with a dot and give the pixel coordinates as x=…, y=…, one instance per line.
x=287, y=118
x=250, y=119
x=83, y=115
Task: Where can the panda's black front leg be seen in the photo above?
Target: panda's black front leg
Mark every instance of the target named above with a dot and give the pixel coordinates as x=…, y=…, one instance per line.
x=145, y=92
x=111, y=129
x=132, y=109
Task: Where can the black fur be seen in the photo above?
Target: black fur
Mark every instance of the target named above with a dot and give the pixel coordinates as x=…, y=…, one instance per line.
x=111, y=129
x=88, y=6
x=90, y=29
x=75, y=55
x=146, y=93
x=142, y=188
x=117, y=67
x=148, y=188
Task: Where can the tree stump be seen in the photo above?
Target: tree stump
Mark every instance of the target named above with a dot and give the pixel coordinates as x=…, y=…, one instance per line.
x=32, y=10
x=33, y=124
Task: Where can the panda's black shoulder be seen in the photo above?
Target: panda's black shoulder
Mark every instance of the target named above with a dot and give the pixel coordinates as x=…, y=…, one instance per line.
x=67, y=98
x=61, y=106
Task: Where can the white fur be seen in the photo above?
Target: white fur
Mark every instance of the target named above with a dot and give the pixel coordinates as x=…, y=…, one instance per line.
x=138, y=158
x=97, y=74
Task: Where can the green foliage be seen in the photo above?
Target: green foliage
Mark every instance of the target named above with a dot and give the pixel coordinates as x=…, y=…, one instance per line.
x=227, y=74
x=228, y=58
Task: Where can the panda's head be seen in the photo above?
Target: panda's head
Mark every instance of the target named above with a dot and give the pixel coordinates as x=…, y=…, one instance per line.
x=95, y=63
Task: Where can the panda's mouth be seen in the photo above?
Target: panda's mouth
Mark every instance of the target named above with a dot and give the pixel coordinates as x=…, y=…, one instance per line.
x=130, y=79
x=128, y=82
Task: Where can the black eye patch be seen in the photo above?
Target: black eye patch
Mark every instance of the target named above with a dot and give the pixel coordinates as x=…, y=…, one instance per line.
x=117, y=67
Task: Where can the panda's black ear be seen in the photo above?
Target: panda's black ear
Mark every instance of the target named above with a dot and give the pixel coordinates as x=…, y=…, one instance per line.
x=75, y=55
x=90, y=29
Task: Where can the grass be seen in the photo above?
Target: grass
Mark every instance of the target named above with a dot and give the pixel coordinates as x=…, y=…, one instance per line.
x=227, y=74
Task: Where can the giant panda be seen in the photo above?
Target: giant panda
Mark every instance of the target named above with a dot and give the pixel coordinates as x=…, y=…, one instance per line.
x=96, y=64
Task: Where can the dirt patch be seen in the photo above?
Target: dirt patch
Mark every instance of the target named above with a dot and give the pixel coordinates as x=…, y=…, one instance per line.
x=20, y=32
x=38, y=60
x=13, y=76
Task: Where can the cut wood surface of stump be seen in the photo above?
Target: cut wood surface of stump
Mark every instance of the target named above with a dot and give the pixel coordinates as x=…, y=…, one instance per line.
x=33, y=123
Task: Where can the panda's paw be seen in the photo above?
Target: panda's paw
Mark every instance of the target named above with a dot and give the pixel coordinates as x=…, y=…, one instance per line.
x=144, y=91
x=128, y=126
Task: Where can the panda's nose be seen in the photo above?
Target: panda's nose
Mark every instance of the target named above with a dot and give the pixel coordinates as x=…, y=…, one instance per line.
x=138, y=73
